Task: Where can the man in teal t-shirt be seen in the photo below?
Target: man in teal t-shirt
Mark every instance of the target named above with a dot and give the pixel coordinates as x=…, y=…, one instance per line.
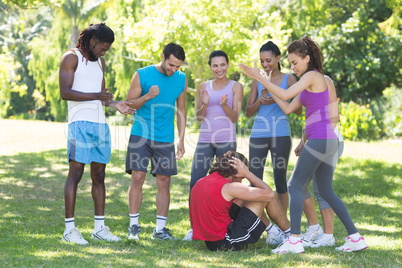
x=154, y=92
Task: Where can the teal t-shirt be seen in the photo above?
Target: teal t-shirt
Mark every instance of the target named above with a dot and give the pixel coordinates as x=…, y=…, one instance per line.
x=155, y=119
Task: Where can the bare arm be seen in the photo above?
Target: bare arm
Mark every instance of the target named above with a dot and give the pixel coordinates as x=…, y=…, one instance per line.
x=202, y=102
x=237, y=103
x=309, y=80
x=134, y=97
x=253, y=103
x=181, y=115
x=68, y=65
x=236, y=190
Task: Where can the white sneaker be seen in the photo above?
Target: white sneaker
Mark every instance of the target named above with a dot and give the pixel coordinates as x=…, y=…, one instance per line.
x=289, y=247
x=275, y=239
x=353, y=245
x=74, y=236
x=188, y=236
x=105, y=234
x=311, y=235
x=323, y=241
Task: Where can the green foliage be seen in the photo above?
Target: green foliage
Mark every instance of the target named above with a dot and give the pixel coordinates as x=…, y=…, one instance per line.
x=370, y=59
x=297, y=123
x=393, y=111
x=8, y=83
x=238, y=28
x=357, y=122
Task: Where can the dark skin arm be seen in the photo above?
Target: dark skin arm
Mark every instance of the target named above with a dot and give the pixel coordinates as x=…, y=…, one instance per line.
x=68, y=65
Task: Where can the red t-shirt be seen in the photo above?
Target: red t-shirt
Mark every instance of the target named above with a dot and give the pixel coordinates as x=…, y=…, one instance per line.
x=209, y=211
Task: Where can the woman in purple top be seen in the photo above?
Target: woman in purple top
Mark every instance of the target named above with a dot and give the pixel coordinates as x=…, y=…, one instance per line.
x=218, y=107
x=319, y=154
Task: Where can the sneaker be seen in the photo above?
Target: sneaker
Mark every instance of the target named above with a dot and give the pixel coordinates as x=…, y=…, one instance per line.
x=306, y=243
x=163, y=234
x=289, y=247
x=105, y=234
x=74, y=236
x=188, y=236
x=353, y=245
x=323, y=241
x=275, y=239
x=134, y=232
x=311, y=235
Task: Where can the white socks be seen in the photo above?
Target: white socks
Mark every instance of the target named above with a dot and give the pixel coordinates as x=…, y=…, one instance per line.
x=294, y=239
x=355, y=236
x=271, y=229
x=160, y=222
x=134, y=219
x=99, y=222
x=69, y=223
x=314, y=227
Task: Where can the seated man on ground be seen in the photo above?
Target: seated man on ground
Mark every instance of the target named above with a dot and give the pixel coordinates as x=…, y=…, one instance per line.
x=225, y=213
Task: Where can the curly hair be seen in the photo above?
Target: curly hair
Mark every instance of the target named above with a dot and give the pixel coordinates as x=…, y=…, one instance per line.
x=306, y=46
x=99, y=31
x=222, y=164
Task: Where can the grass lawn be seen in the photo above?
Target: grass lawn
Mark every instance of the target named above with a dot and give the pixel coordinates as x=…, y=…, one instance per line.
x=32, y=218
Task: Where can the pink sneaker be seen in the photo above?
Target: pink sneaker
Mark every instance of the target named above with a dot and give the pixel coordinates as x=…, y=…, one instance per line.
x=353, y=245
x=289, y=247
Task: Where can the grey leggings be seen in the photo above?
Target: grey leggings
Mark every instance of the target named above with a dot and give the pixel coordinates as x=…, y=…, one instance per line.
x=322, y=204
x=318, y=157
x=280, y=150
x=203, y=157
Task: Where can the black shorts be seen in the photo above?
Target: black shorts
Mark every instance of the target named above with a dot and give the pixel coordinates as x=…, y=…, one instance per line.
x=140, y=150
x=246, y=228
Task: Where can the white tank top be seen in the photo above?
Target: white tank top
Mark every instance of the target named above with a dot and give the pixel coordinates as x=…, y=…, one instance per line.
x=88, y=78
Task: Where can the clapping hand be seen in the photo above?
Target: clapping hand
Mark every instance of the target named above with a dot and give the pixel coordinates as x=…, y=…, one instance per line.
x=224, y=100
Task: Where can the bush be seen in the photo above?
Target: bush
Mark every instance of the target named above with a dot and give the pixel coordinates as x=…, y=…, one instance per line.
x=357, y=122
x=393, y=111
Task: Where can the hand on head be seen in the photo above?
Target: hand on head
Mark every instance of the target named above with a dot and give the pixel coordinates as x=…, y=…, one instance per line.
x=240, y=166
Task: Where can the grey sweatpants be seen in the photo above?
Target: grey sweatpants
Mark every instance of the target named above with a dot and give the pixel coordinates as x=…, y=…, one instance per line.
x=322, y=204
x=318, y=157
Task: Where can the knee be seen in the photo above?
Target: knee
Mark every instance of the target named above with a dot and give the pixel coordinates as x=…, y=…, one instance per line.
x=163, y=182
x=137, y=178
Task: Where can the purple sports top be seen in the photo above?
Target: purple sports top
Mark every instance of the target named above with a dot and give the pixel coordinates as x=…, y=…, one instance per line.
x=217, y=126
x=318, y=124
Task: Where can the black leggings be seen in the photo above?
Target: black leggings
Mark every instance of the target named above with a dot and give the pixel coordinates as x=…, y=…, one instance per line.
x=280, y=150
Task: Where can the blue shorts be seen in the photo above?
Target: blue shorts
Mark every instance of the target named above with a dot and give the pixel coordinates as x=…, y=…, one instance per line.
x=88, y=142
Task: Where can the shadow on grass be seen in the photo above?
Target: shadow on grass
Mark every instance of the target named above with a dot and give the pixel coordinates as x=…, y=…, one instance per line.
x=32, y=216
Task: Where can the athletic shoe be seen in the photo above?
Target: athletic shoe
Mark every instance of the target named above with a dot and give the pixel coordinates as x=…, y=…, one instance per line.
x=105, y=234
x=323, y=241
x=353, y=245
x=74, y=236
x=289, y=247
x=163, y=234
x=311, y=235
x=188, y=236
x=134, y=232
x=275, y=239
